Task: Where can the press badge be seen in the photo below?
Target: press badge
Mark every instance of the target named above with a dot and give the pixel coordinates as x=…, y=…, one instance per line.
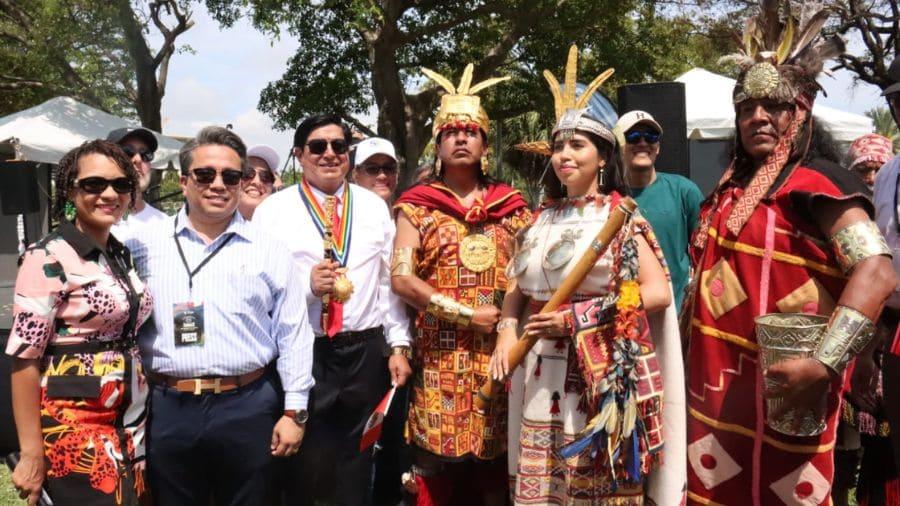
x=188, y=324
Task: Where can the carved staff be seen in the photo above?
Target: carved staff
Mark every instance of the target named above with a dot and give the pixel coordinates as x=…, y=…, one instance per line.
x=328, y=243
x=568, y=286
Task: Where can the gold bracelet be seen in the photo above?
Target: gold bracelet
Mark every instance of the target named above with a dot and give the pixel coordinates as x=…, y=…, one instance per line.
x=857, y=242
x=402, y=349
x=849, y=332
x=402, y=261
x=449, y=310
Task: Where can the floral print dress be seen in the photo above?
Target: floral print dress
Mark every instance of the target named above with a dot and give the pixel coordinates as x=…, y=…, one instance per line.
x=77, y=309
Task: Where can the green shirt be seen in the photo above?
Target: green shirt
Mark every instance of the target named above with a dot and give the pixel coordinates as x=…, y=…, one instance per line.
x=671, y=204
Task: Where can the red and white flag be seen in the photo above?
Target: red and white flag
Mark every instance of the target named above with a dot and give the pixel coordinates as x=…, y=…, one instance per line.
x=373, y=426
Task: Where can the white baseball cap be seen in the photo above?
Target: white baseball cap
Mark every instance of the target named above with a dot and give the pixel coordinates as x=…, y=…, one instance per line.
x=630, y=119
x=269, y=155
x=372, y=146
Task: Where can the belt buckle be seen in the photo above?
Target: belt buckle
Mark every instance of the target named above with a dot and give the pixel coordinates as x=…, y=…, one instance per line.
x=199, y=388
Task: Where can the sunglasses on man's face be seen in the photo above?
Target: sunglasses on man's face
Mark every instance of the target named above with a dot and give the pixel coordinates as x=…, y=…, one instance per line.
x=146, y=155
x=230, y=177
x=266, y=176
x=95, y=185
x=319, y=146
x=635, y=137
x=374, y=170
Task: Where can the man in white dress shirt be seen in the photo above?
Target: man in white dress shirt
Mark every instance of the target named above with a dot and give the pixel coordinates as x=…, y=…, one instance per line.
x=342, y=237
x=140, y=145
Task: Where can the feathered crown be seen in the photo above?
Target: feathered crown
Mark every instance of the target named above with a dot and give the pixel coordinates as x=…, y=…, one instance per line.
x=570, y=108
x=460, y=104
x=781, y=52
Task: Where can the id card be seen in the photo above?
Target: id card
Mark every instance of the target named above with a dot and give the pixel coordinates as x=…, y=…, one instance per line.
x=188, y=324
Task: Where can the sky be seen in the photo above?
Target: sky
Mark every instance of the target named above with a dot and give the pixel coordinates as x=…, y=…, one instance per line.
x=221, y=81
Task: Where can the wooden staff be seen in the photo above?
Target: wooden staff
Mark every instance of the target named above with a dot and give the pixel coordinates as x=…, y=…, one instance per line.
x=568, y=286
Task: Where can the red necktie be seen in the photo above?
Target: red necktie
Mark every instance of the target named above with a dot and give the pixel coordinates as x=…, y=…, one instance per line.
x=335, y=309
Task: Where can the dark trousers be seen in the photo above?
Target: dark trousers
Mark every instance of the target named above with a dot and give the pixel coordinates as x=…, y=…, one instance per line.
x=392, y=457
x=212, y=446
x=349, y=384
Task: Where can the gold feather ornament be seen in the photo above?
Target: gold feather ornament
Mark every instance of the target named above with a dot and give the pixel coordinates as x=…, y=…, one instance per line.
x=460, y=103
x=570, y=108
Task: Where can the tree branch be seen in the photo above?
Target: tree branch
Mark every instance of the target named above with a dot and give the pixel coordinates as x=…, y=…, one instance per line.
x=358, y=124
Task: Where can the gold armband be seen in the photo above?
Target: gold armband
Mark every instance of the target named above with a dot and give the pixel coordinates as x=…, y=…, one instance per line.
x=402, y=261
x=849, y=332
x=857, y=242
x=447, y=309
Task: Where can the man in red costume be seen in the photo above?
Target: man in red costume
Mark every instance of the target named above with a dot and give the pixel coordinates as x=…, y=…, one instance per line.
x=454, y=233
x=780, y=234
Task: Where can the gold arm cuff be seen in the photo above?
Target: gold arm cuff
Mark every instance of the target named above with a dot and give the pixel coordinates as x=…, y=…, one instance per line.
x=402, y=263
x=447, y=309
x=406, y=351
x=857, y=242
x=849, y=332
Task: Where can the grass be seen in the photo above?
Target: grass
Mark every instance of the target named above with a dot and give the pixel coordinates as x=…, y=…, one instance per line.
x=8, y=495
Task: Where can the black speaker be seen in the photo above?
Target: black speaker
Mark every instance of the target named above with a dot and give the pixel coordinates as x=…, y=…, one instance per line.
x=19, y=188
x=665, y=102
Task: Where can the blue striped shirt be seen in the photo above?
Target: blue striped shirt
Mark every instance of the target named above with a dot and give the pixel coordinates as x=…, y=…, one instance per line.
x=253, y=310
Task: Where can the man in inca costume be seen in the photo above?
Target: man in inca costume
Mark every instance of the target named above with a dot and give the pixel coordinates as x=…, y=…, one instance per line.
x=781, y=233
x=454, y=232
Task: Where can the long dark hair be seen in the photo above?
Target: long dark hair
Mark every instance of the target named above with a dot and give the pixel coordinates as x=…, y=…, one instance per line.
x=613, y=178
x=67, y=172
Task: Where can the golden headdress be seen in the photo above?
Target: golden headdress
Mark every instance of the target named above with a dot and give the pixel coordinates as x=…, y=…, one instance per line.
x=571, y=109
x=781, y=52
x=460, y=103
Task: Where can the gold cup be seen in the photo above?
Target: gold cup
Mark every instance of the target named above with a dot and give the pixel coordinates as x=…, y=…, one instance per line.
x=784, y=336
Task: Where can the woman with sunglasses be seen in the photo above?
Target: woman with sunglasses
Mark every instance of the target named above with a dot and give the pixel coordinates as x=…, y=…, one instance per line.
x=79, y=396
x=259, y=180
x=587, y=418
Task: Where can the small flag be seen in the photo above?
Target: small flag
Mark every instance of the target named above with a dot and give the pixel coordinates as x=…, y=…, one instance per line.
x=373, y=426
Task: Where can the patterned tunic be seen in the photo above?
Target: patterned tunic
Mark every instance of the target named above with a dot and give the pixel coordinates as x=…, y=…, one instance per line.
x=780, y=262
x=451, y=363
x=71, y=311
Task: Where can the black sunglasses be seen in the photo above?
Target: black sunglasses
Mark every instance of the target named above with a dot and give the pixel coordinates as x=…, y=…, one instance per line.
x=95, y=185
x=146, y=155
x=374, y=170
x=635, y=137
x=230, y=177
x=319, y=146
x=266, y=176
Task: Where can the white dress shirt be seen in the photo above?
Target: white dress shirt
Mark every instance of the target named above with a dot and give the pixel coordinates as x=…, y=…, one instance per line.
x=373, y=303
x=130, y=225
x=886, y=212
x=253, y=310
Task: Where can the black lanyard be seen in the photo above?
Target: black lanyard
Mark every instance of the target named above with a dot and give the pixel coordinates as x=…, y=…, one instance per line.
x=121, y=270
x=206, y=260
x=896, y=214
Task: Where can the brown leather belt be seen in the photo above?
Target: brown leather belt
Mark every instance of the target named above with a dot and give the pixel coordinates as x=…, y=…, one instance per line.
x=199, y=386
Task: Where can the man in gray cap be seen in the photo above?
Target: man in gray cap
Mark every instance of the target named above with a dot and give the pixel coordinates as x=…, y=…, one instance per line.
x=140, y=145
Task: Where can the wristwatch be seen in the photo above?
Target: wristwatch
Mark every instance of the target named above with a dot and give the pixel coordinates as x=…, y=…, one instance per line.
x=404, y=350
x=299, y=416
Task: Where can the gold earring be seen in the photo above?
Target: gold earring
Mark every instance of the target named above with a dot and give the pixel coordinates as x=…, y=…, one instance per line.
x=601, y=177
x=484, y=165
x=437, y=167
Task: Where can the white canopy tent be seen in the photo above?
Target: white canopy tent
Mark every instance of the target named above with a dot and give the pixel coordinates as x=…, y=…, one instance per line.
x=44, y=133
x=710, y=114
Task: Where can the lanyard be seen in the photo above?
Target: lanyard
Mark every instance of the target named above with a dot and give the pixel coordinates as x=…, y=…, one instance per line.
x=121, y=271
x=206, y=260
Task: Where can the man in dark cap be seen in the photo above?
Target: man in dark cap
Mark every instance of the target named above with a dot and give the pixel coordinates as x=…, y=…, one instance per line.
x=140, y=145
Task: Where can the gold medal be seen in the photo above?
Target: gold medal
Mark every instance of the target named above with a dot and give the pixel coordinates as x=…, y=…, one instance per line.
x=477, y=252
x=343, y=288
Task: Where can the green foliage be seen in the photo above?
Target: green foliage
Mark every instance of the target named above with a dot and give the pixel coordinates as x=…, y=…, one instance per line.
x=63, y=47
x=341, y=65
x=885, y=125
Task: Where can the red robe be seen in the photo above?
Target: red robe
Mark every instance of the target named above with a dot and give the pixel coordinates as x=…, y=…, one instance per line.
x=779, y=262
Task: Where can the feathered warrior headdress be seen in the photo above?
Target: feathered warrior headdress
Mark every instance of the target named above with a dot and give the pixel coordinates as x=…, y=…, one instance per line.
x=570, y=108
x=460, y=105
x=780, y=53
